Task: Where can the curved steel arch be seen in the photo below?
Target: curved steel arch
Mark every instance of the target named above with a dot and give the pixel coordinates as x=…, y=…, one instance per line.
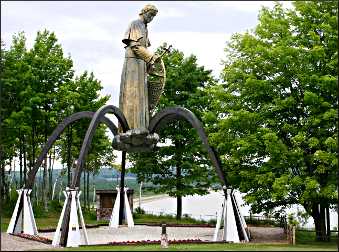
x=54, y=136
x=168, y=114
x=97, y=118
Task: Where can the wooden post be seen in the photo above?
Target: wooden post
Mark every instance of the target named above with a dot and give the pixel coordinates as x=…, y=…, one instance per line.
x=164, y=238
x=291, y=234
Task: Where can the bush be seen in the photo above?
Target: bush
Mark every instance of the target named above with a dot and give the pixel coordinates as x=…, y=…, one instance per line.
x=139, y=210
x=55, y=206
x=39, y=210
x=261, y=221
x=9, y=205
x=89, y=214
x=212, y=222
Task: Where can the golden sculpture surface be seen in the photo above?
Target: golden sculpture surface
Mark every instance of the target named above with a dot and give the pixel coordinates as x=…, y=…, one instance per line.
x=133, y=100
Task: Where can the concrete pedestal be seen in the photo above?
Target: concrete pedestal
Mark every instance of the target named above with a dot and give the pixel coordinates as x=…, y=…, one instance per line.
x=114, y=221
x=73, y=235
x=22, y=220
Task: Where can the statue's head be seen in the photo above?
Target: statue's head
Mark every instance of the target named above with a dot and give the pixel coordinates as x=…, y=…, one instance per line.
x=148, y=13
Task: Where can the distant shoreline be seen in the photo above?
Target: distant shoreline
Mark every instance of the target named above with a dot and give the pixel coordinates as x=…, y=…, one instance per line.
x=148, y=199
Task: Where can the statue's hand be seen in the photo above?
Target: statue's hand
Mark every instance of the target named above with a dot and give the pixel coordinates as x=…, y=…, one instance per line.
x=150, y=65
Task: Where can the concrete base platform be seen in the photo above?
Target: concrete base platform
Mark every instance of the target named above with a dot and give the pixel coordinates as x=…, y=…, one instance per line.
x=103, y=235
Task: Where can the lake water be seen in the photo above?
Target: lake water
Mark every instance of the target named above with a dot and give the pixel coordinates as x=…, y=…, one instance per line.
x=206, y=207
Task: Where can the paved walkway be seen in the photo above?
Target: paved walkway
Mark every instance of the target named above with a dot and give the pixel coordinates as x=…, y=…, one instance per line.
x=14, y=243
x=104, y=235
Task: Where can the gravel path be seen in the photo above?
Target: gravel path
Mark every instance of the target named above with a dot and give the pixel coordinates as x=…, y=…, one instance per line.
x=14, y=243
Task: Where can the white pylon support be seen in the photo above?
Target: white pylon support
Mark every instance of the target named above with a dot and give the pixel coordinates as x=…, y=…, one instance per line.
x=82, y=221
x=243, y=225
x=219, y=219
x=22, y=220
x=114, y=220
x=73, y=235
x=230, y=225
x=129, y=216
x=234, y=224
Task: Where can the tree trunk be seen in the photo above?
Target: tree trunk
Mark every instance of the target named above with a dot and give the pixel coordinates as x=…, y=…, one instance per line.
x=45, y=186
x=20, y=159
x=84, y=188
x=323, y=223
x=45, y=183
x=179, y=207
x=318, y=214
x=69, y=142
x=14, y=173
x=328, y=225
x=3, y=182
x=178, y=180
x=50, y=176
x=179, y=197
x=87, y=193
x=33, y=146
x=25, y=159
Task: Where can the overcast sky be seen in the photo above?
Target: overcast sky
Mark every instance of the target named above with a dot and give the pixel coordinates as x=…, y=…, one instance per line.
x=91, y=31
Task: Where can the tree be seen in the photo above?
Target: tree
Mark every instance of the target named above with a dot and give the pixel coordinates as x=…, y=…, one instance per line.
x=83, y=95
x=274, y=118
x=50, y=69
x=14, y=131
x=38, y=90
x=179, y=167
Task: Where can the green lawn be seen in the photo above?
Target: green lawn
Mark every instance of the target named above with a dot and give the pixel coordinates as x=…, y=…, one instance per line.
x=50, y=220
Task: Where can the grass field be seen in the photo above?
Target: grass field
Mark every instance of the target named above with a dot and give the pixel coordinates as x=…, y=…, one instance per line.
x=50, y=220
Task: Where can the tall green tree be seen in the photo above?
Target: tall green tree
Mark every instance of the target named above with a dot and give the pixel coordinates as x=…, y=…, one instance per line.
x=179, y=167
x=38, y=91
x=276, y=114
x=50, y=69
x=14, y=127
x=83, y=95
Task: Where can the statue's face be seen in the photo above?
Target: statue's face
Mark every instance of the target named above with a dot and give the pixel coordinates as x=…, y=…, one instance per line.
x=148, y=16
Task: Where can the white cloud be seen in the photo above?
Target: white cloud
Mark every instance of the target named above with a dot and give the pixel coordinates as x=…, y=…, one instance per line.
x=170, y=12
x=243, y=6
x=208, y=47
x=79, y=28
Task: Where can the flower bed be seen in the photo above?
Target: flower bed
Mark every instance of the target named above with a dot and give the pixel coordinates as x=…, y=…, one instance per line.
x=145, y=242
x=35, y=238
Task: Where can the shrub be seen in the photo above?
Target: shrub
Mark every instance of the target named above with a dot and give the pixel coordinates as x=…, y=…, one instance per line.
x=261, y=221
x=139, y=210
x=55, y=206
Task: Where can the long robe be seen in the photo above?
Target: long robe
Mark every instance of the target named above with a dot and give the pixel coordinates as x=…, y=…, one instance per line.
x=133, y=100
